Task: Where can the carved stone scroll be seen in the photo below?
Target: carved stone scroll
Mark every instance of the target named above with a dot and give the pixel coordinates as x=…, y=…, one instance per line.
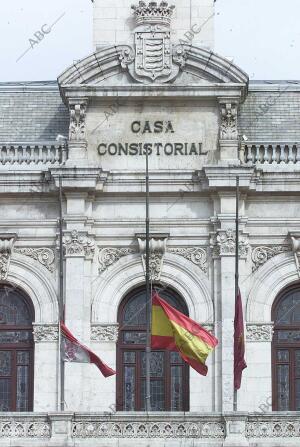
x=260, y=255
x=109, y=255
x=196, y=255
x=44, y=256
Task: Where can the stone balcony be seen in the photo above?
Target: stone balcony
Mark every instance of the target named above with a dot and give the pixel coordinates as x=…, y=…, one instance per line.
x=20, y=155
x=274, y=154
x=156, y=429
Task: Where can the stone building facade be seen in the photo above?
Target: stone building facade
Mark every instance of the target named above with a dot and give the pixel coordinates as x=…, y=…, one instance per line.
x=153, y=83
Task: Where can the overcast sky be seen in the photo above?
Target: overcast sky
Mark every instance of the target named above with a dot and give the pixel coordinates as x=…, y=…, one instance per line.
x=262, y=36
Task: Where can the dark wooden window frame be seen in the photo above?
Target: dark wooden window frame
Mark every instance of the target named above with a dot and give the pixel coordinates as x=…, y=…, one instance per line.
x=122, y=347
x=289, y=346
x=24, y=347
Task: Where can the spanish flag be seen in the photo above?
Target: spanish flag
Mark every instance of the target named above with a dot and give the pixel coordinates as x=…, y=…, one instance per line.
x=174, y=331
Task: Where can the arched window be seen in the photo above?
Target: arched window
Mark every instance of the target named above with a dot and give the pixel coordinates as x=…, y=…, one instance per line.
x=169, y=374
x=286, y=351
x=16, y=350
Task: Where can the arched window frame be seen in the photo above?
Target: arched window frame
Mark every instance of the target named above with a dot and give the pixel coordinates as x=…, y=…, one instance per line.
x=18, y=347
x=121, y=347
x=292, y=347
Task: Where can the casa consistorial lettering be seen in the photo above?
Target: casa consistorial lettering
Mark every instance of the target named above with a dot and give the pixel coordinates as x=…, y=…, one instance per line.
x=157, y=148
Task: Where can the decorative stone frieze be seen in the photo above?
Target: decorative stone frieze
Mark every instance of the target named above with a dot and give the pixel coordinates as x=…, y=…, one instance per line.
x=109, y=255
x=223, y=244
x=77, y=130
x=157, y=251
x=259, y=332
x=184, y=429
x=77, y=244
x=6, y=247
x=105, y=332
x=273, y=428
x=228, y=127
x=260, y=255
x=14, y=428
x=44, y=256
x=196, y=255
x=45, y=333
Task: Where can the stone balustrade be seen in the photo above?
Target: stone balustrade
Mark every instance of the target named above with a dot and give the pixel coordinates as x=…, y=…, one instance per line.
x=45, y=153
x=171, y=429
x=254, y=153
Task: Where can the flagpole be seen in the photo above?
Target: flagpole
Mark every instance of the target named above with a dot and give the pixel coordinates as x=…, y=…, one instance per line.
x=148, y=292
x=61, y=298
x=236, y=262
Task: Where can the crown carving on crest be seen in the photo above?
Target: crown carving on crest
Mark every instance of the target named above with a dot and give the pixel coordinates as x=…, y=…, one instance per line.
x=153, y=12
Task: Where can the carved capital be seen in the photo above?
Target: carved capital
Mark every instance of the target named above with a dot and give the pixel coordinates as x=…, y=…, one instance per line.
x=105, y=332
x=260, y=255
x=77, y=130
x=109, y=255
x=78, y=244
x=44, y=256
x=223, y=244
x=228, y=126
x=45, y=333
x=259, y=332
x=6, y=246
x=157, y=251
x=196, y=255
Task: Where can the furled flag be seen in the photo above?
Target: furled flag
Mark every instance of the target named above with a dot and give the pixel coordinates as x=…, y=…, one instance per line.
x=174, y=331
x=74, y=351
x=239, y=342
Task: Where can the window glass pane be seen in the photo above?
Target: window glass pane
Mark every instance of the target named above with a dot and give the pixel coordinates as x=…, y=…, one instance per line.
x=297, y=392
x=23, y=358
x=176, y=357
x=289, y=336
x=129, y=357
x=22, y=388
x=135, y=311
x=15, y=336
x=297, y=363
x=288, y=311
x=135, y=338
x=129, y=388
x=5, y=363
x=13, y=308
x=283, y=355
x=156, y=364
x=5, y=391
x=176, y=388
x=157, y=395
x=283, y=387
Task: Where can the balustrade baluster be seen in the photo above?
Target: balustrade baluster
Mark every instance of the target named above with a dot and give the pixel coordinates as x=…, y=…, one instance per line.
x=297, y=148
x=282, y=154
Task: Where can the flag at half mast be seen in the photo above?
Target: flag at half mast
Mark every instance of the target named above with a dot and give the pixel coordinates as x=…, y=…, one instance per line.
x=174, y=331
x=239, y=342
x=73, y=351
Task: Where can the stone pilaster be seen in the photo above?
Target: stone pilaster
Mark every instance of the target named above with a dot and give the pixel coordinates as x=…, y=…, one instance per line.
x=223, y=253
x=77, y=131
x=228, y=135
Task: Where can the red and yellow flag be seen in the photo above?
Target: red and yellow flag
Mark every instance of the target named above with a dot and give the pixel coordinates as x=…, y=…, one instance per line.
x=174, y=331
